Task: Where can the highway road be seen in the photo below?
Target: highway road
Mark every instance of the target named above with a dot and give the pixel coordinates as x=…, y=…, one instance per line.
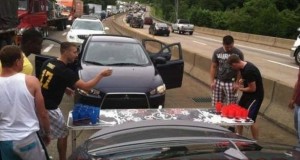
x=273, y=62
x=192, y=94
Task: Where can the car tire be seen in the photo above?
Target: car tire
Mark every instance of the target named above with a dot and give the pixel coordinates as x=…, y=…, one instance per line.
x=60, y=26
x=45, y=32
x=168, y=35
x=297, y=56
x=191, y=33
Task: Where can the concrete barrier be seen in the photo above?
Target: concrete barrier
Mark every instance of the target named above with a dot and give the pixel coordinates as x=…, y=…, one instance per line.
x=277, y=95
x=189, y=61
x=201, y=69
x=278, y=110
x=284, y=43
x=269, y=87
x=270, y=41
x=240, y=36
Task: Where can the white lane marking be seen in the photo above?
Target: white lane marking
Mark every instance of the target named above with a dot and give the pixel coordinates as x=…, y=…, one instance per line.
x=47, y=49
x=209, y=39
x=251, y=48
x=65, y=33
x=283, y=64
x=199, y=43
x=279, y=54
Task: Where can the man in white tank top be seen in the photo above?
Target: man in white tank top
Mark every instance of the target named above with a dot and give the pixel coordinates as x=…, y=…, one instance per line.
x=22, y=110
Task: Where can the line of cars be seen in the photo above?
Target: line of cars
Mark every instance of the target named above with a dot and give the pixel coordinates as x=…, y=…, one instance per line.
x=181, y=26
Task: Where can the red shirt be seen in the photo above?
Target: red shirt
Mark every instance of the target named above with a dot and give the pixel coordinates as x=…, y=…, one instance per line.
x=297, y=90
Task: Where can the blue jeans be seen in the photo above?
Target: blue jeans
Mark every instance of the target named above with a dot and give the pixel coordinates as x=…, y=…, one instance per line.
x=297, y=124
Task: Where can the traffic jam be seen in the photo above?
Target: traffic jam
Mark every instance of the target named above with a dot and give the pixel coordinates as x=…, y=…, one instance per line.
x=116, y=87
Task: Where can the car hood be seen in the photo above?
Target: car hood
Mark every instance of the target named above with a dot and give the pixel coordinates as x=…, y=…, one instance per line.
x=85, y=32
x=123, y=78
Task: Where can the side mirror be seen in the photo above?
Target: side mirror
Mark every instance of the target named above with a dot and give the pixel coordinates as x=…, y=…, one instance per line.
x=106, y=28
x=160, y=60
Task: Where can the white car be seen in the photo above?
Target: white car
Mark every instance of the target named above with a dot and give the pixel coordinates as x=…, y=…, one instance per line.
x=83, y=27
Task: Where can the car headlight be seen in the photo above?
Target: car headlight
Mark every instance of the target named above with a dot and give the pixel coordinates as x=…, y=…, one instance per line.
x=159, y=90
x=71, y=37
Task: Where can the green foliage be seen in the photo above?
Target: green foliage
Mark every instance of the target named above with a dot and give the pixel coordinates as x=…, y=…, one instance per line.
x=279, y=18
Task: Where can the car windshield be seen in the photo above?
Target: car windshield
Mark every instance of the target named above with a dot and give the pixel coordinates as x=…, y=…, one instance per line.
x=162, y=25
x=184, y=21
x=115, y=53
x=87, y=25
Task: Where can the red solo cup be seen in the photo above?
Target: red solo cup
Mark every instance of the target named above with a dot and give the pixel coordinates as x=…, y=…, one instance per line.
x=218, y=107
x=238, y=113
x=245, y=113
x=231, y=113
x=224, y=111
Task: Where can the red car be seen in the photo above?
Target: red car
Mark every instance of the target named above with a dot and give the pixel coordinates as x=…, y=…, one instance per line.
x=148, y=20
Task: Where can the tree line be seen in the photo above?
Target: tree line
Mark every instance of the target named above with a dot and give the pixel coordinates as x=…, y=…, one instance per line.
x=277, y=18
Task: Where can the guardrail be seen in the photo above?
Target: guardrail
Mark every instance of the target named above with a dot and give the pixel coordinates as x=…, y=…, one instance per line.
x=277, y=95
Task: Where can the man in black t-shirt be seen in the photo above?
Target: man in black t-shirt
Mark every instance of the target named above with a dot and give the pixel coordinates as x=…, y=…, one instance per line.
x=252, y=88
x=55, y=78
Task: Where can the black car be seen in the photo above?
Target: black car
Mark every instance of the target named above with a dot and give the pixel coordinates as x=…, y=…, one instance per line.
x=159, y=29
x=137, y=22
x=128, y=18
x=175, y=140
x=139, y=78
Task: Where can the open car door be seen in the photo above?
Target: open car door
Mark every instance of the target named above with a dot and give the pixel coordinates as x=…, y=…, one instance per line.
x=51, y=49
x=168, y=61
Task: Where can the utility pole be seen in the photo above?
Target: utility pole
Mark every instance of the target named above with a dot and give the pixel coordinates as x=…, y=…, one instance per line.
x=176, y=8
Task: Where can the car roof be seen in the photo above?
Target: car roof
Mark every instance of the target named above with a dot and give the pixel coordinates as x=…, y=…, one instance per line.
x=88, y=18
x=113, y=38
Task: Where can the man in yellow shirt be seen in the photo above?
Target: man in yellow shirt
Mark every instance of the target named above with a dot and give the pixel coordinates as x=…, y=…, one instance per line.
x=31, y=43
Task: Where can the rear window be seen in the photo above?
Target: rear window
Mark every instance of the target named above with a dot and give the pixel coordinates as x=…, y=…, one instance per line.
x=162, y=25
x=184, y=21
x=87, y=25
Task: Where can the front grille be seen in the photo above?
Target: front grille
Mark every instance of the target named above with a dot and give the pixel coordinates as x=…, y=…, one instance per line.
x=121, y=101
x=83, y=36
